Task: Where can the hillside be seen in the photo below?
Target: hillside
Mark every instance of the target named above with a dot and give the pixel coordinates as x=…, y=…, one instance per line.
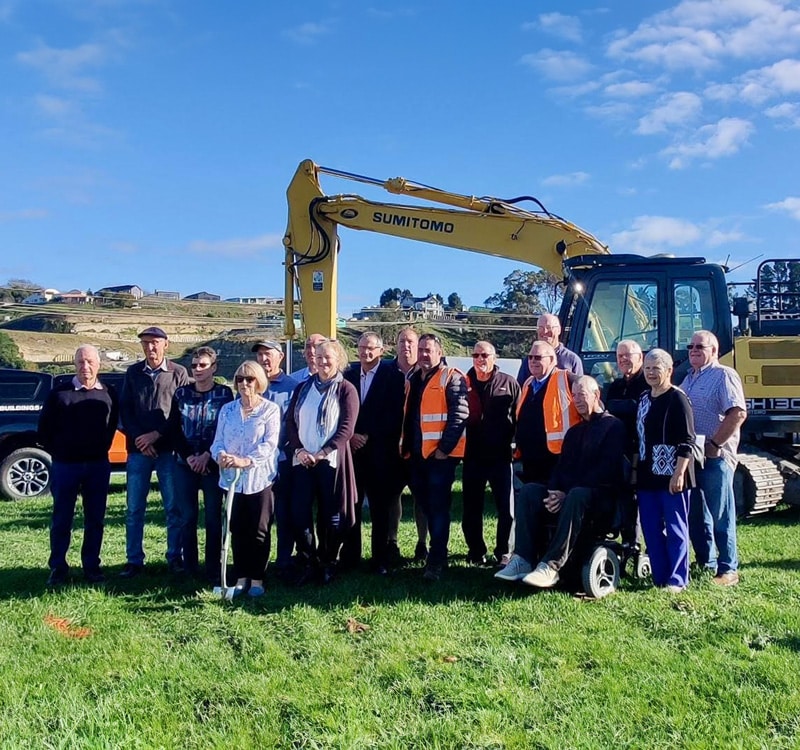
x=47, y=335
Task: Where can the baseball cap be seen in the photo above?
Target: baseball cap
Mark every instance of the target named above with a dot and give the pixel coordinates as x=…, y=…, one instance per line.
x=155, y=332
x=267, y=345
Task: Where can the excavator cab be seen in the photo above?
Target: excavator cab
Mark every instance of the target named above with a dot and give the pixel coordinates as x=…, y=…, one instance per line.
x=656, y=302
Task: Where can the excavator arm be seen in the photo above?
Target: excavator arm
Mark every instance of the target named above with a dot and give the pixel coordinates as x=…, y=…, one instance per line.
x=485, y=225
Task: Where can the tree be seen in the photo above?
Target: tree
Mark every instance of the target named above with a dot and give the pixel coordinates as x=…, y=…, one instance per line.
x=454, y=302
x=528, y=292
x=388, y=296
x=9, y=353
x=436, y=295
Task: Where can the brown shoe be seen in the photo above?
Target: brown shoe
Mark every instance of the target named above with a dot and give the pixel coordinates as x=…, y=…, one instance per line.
x=729, y=578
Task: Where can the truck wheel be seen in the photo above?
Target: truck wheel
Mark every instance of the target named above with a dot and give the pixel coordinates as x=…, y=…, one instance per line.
x=25, y=473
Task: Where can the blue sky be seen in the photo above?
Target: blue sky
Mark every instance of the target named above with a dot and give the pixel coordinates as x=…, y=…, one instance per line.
x=151, y=142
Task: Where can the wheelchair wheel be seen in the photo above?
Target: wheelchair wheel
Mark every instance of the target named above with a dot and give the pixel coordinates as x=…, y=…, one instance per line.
x=600, y=574
x=643, y=568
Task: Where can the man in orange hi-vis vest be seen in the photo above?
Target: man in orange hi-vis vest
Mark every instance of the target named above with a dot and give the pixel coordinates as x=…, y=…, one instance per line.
x=434, y=422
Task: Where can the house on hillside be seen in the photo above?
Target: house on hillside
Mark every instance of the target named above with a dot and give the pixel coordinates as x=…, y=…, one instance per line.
x=203, y=297
x=74, y=297
x=162, y=294
x=256, y=300
x=40, y=297
x=135, y=291
x=422, y=307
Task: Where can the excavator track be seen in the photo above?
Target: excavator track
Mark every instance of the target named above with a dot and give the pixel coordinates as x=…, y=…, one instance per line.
x=757, y=485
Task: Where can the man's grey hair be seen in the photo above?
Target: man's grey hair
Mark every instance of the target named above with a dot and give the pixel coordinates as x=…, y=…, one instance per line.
x=708, y=336
x=659, y=357
x=487, y=345
x=631, y=345
x=588, y=381
x=87, y=348
x=371, y=335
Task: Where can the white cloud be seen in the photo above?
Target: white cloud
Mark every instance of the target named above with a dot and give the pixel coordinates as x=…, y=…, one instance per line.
x=630, y=89
x=557, y=24
x=54, y=106
x=239, y=247
x=672, y=109
x=698, y=34
x=789, y=205
x=716, y=237
x=307, y=33
x=557, y=65
x=653, y=234
x=610, y=111
x=65, y=68
x=22, y=214
x=786, y=113
x=723, y=138
x=564, y=180
x=757, y=86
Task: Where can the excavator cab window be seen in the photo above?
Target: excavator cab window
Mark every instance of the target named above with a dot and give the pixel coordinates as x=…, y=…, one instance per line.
x=694, y=310
x=620, y=310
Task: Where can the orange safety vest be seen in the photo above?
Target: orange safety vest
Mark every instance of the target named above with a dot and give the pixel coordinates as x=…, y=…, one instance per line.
x=433, y=413
x=559, y=411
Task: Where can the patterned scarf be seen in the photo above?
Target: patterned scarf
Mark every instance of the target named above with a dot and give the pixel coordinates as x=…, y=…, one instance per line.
x=328, y=412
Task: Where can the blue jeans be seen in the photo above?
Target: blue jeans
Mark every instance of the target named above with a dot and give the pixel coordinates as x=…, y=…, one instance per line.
x=712, y=517
x=188, y=485
x=432, y=485
x=90, y=479
x=140, y=469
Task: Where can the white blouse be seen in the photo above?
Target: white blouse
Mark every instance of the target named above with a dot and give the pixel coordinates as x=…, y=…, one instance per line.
x=254, y=437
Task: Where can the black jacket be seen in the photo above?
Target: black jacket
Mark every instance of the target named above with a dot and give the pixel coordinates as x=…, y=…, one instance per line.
x=380, y=418
x=593, y=455
x=492, y=416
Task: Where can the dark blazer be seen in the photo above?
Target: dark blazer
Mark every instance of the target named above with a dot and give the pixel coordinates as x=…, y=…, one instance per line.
x=381, y=419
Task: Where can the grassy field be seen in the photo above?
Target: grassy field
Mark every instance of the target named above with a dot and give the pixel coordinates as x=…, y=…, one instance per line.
x=375, y=663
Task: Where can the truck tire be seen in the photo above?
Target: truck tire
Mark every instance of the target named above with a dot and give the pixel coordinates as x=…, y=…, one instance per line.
x=25, y=473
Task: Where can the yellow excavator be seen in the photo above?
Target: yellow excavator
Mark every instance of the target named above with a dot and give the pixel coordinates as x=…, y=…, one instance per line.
x=656, y=301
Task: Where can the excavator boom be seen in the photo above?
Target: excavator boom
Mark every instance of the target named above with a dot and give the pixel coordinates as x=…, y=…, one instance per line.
x=485, y=225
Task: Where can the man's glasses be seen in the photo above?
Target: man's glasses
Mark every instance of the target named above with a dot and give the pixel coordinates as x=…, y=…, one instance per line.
x=538, y=357
x=248, y=379
x=481, y=355
x=200, y=365
x=698, y=346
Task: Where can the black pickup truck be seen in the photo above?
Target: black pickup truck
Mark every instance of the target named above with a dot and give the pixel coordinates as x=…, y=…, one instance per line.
x=24, y=464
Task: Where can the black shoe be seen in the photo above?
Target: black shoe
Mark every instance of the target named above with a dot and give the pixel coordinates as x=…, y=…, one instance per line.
x=432, y=573
x=58, y=577
x=475, y=559
x=305, y=575
x=420, y=552
x=176, y=567
x=131, y=570
x=393, y=555
x=380, y=570
x=328, y=574
x=94, y=576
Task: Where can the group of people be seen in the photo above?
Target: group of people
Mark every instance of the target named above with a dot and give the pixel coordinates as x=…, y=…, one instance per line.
x=309, y=450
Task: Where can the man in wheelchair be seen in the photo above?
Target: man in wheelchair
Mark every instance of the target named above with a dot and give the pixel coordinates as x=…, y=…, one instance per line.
x=581, y=493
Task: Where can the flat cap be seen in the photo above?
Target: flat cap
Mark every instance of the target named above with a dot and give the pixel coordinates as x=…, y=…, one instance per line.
x=155, y=332
x=267, y=345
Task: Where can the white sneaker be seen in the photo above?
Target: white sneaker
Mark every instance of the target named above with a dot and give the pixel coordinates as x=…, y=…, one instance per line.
x=674, y=589
x=516, y=569
x=544, y=577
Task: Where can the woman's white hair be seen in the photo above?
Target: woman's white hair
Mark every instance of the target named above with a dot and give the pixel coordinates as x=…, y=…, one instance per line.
x=660, y=357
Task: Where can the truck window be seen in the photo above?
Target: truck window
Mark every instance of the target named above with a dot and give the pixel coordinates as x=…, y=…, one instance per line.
x=19, y=387
x=620, y=310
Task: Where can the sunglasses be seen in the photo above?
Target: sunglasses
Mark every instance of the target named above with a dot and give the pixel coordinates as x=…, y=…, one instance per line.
x=698, y=346
x=538, y=357
x=200, y=365
x=248, y=379
x=481, y=355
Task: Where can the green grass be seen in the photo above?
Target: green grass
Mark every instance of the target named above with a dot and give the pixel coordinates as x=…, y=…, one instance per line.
x=467, y=663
